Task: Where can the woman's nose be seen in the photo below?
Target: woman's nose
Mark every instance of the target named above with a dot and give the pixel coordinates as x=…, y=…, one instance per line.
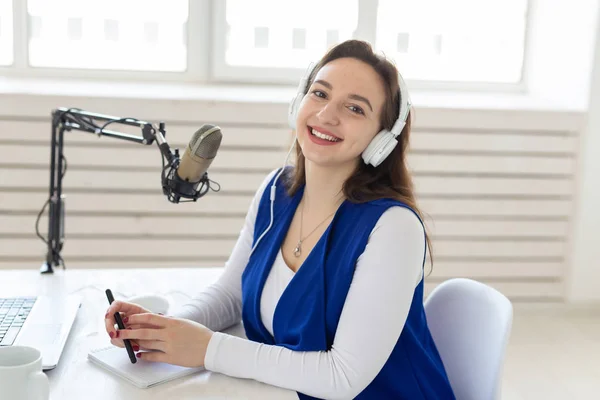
x=328, y=114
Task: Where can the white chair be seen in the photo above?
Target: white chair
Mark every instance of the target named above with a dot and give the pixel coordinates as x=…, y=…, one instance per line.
x=470, y=323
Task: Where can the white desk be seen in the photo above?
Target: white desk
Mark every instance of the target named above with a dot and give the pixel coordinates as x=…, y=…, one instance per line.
x=76, y=378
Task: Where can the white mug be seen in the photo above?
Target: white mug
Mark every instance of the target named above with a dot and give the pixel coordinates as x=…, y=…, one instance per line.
x=152, y=302
x=21, y=376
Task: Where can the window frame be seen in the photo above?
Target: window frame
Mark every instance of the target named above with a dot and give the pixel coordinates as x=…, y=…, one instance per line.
x=206, y=55
x=198, y=32
x=366, y=30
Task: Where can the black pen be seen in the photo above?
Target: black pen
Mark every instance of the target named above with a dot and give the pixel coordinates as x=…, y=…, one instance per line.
x=121, y=326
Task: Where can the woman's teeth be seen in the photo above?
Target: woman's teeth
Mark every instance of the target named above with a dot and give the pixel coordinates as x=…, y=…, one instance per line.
x=324, y=136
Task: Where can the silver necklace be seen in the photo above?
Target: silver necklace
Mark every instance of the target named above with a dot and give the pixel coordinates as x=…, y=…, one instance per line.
x=298, y=249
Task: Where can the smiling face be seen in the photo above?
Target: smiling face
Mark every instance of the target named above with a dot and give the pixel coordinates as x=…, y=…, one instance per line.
x=340, y=113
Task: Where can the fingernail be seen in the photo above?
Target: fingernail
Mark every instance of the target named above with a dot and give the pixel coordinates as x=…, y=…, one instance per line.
x=111, y=334
x=125, y=319
x=139, y=355
x=105, y=315
x=117, y=334
x=136, y=348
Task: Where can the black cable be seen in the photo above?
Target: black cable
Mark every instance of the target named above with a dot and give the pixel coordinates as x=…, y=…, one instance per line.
x=164, y=167
x=39, y=216
x=86, y=120
x=62, y=261
x=115, y=121
x=64, y=171
x=37, y=222
x=62, y=175
x=82, y=120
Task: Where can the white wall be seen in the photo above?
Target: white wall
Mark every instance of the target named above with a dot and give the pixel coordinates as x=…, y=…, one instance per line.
x=560, y=51
x=584, y=261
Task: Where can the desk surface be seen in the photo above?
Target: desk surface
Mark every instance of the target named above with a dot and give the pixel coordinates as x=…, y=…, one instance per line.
x=77, y=378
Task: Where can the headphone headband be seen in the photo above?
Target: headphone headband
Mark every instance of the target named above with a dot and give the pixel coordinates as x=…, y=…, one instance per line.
x=405, y=106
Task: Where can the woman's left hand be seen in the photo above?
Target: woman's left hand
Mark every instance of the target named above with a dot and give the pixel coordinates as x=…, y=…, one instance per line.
x=178, y=341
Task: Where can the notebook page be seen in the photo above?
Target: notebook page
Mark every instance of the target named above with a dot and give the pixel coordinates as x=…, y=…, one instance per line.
x=143, y=373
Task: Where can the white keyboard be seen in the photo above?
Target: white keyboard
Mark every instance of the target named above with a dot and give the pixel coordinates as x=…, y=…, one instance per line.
x=13, y=313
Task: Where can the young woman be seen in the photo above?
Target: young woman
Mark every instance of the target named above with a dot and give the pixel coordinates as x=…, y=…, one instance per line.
x=327, y=277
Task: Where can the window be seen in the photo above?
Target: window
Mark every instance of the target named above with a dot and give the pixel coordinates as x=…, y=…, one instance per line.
x=297, y=34
x=142, y=35
x=433, y=40
x=6, y=32
x=464, y=42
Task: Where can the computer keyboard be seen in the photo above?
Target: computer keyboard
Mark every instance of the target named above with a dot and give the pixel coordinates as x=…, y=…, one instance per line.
x=13, y=313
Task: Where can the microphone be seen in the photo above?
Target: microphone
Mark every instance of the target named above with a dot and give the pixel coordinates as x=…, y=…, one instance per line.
x=185, y=176
x=200, y=153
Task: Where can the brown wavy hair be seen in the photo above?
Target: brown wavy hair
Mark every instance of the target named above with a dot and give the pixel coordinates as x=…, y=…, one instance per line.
x=391, y=179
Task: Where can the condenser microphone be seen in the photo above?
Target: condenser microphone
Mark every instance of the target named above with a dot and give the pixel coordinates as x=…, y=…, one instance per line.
x=187, y=175
x=200, y=153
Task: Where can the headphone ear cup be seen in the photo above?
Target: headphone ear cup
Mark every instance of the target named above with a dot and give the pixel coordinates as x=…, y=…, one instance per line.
x=380, y=148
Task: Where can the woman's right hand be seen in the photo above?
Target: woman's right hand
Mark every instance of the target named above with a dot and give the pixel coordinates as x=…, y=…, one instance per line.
x=126, y=310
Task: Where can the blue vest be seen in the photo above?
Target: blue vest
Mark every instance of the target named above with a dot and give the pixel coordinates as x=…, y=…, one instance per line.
x=308, y=312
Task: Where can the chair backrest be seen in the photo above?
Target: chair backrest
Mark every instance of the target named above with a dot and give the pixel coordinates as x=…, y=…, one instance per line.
x=470, y=323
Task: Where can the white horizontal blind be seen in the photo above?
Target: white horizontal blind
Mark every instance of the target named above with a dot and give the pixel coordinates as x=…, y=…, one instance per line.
x=142, y=35
x=498, y=199
x=6, y=32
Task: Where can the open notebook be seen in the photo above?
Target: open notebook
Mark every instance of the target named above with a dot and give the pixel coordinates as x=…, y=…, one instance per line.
x=143, y=374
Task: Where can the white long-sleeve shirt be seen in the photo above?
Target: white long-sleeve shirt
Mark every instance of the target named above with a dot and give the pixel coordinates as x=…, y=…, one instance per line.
x=370, y=324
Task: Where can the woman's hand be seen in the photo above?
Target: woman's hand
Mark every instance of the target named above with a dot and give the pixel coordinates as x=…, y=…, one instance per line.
x=126, y=310
x=176, y=341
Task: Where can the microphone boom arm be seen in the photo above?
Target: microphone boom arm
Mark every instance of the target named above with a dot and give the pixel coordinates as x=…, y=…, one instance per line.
x=67, y=119
x=70, y=119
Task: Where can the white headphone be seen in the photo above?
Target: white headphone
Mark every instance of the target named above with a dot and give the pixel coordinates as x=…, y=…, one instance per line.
x=384, y=142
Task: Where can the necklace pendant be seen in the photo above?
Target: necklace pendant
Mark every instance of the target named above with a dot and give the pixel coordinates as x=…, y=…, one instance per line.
x=298, y=250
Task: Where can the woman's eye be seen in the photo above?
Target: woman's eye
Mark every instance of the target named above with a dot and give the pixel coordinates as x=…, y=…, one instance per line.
x=356, y=110
x=320, y=94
